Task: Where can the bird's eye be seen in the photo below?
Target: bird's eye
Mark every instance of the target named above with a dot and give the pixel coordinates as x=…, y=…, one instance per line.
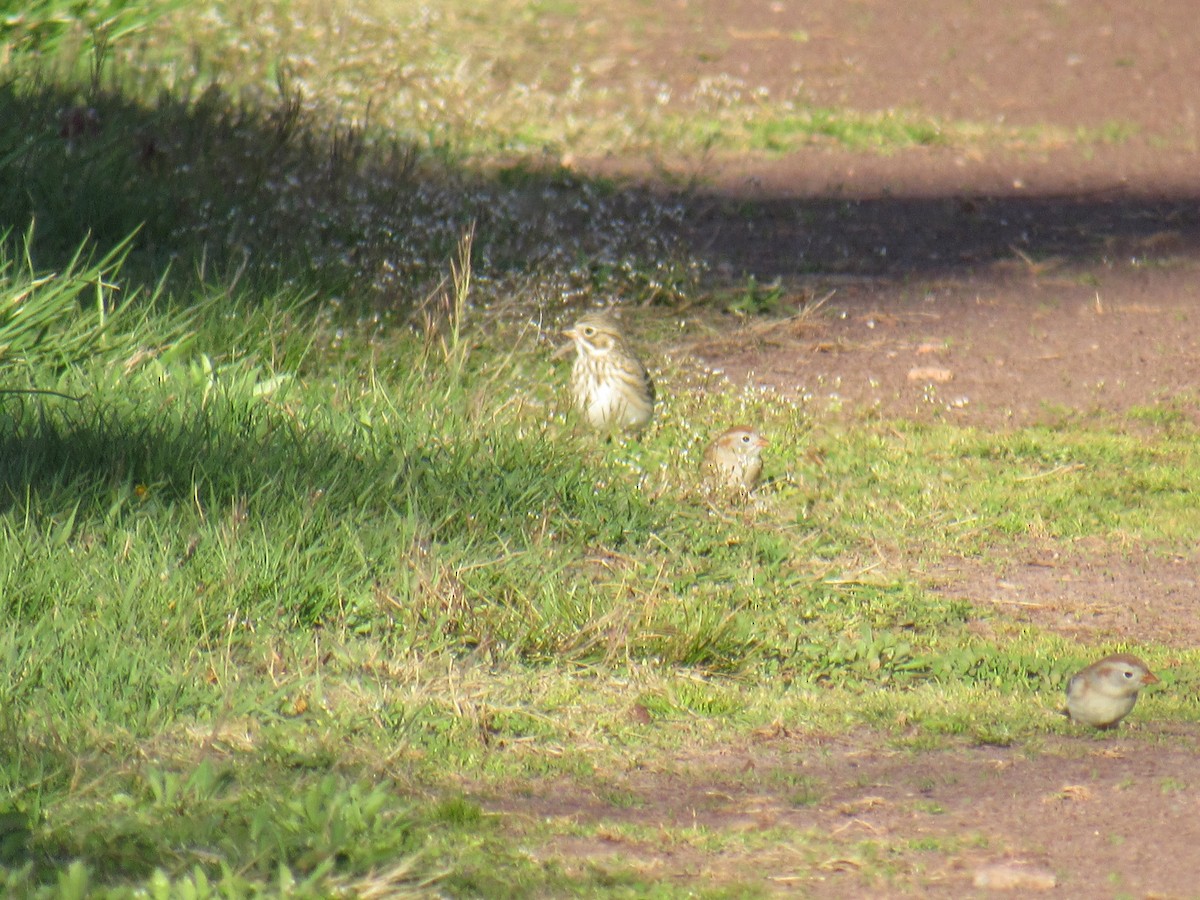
x=1127, y=674
x=745, y=438
x=588, y=330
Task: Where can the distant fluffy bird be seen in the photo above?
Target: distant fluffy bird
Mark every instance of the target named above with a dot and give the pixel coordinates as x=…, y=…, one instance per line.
x=734, y=458
x=609, y=385
x=1102, y=694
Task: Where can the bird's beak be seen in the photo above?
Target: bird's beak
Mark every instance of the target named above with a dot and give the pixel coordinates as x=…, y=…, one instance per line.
x=763, y=442
x=565, y=349
x=1149, y=678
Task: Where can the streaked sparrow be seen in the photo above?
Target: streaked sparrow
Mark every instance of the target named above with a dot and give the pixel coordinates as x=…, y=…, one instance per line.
x=609, y=385
x=735, y=458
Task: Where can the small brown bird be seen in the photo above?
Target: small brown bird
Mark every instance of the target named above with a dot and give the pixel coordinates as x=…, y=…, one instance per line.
x=735, y=458
x=1102, y=694
x=609, y=385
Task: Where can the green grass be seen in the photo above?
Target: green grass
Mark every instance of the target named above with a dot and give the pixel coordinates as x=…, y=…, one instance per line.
x=330, y=553
x=302, y=558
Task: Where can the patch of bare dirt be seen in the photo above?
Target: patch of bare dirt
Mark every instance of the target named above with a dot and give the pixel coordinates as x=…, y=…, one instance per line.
x=1028, y=344
x=1027, y=282
x=874, y=822
x=1026, y=62
x=1094, y=595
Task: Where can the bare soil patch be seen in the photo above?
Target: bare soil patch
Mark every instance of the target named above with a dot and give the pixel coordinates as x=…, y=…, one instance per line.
x=1027, y=62
x=1094, y=594
x=871, y=821
x=1023, y=344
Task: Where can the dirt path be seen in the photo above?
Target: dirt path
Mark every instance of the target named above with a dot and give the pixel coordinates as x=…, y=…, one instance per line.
x=1021, y=344
x=1086, y=818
